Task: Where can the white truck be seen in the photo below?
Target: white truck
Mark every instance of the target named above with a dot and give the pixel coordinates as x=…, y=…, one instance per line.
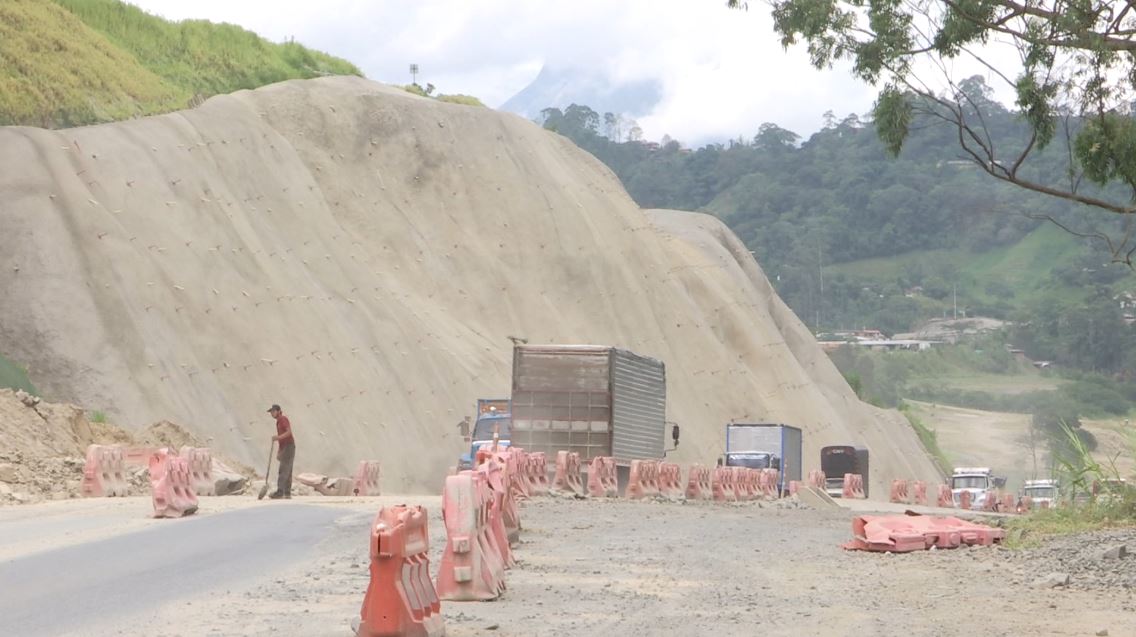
x=978, y=481
x=1041, y=493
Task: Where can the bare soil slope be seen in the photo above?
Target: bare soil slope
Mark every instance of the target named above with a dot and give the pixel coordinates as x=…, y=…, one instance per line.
x=359, y=255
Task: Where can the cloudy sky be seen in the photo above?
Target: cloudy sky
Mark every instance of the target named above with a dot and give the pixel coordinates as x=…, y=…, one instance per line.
x=723, y=72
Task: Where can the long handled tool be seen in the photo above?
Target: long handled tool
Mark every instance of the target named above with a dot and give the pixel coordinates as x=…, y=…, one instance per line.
x=264, y=489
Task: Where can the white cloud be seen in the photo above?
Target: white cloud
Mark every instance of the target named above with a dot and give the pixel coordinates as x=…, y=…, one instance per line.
x=723, y=72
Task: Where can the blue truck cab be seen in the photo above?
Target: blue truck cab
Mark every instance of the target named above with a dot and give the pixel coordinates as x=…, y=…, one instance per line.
x=493, y=416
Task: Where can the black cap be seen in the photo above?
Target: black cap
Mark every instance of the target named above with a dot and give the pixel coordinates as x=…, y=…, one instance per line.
x=274, y=408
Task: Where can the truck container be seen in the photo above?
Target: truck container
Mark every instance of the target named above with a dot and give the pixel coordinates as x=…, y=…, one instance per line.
x=588, y=399
x=837, y=460
x=765, y=446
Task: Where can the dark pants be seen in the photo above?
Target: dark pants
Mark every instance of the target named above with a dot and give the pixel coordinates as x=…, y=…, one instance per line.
x=284, y=475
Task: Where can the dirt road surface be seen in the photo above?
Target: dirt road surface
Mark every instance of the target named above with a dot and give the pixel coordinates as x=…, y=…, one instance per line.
x=586, y=567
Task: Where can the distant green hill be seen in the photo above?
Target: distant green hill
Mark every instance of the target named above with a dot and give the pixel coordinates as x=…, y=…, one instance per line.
x=76, y=62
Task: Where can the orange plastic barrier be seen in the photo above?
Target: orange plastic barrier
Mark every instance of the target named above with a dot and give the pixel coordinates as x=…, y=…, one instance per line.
x=200, y=461
x=1025, y=504
x=698, y=483
x=568, y=473
x=670, y=480
x=367, y=478
x=517, y=460
x=903, y=533
x=794, y=487
x=945, y=500
x=768, y=482
x=400, y=600
x=853, y=485
x=1008, y=503
x=899, y=492
x=538, y=473
x=643, y=481
x=170, y=490
x=992, y=501
x=920, y=493
x=473, y=565
x=498, y=471
x=817, y=479
x=602, y=479
x=722, y=485
x=964, y=500
x=104, y=473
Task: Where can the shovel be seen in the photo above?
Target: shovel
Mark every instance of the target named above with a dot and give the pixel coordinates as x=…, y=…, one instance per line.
x=264, y=489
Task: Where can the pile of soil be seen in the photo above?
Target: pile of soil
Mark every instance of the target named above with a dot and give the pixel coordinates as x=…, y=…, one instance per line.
x=43, y=448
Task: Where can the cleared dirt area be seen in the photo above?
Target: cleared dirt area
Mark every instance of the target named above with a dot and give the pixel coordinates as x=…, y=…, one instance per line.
x=648, y=568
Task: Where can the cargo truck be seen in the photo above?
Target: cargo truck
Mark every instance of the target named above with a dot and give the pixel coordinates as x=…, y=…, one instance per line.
x=589, y=399
x=492, y=418
x=837, y=460
x=765, y=446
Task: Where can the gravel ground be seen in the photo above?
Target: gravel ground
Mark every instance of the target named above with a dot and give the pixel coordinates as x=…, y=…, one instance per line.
x=1098, y=561
x=653, y=568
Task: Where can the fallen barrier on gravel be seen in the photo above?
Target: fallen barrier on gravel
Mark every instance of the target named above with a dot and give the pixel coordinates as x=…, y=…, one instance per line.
x=400, y=600
x=906, y=533
x=171, y=491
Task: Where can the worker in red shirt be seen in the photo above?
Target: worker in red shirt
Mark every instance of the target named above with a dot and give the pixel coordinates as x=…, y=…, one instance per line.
x=286, y=454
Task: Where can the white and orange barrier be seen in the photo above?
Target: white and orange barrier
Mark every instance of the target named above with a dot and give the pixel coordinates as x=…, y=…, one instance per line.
x=919, y=493
x=200, y=462
x=171, y=491
x=853, y=486
x=816, y=479
x=400, y=600
x=473, y=567
x=104, y=472
x=498, y=471
x=964, y=500
x=698, y=483
x=944, y=499
x=768, y=478
x=568, y=473
x=643, y=480
x=899, y=493
x=722, y=485
x=537, y=473
x=367, y=478
x=670, y=480
x=602, y=479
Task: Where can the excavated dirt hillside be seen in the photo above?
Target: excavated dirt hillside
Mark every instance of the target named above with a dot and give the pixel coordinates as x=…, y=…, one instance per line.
x=361, y=255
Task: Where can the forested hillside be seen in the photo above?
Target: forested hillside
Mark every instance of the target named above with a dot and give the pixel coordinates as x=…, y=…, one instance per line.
x=854, y=238
x=75, y=62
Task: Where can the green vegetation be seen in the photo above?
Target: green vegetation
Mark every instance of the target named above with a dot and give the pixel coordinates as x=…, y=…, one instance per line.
x=1075, y=57
x=12, y=376
x=98, y=416
x=428, y=91
x=1090, y=502
x=929, y=439
x=75, y=62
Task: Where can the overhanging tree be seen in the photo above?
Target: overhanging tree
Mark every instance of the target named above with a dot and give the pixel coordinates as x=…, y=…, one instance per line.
x=1073, y=74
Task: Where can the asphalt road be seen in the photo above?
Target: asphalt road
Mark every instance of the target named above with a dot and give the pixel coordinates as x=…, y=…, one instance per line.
x=71, y=590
